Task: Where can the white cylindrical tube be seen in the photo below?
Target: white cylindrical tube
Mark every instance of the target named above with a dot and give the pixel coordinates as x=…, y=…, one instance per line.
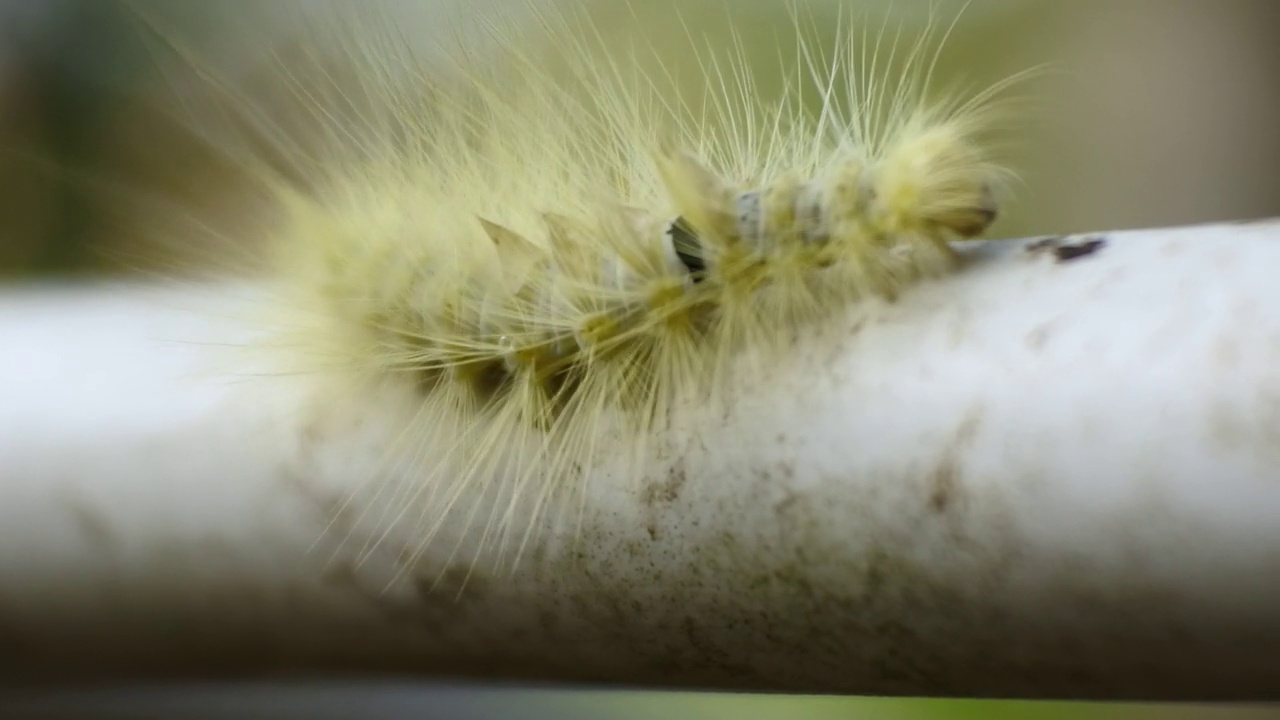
x=1055, y=474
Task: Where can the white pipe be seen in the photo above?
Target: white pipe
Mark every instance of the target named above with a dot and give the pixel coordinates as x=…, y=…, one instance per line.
x=1041, y=477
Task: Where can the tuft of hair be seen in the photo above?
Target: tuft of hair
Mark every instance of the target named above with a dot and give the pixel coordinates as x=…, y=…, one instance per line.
x=549, y=245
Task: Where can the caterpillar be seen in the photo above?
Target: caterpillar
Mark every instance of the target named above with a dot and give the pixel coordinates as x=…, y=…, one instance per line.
x=552, y=247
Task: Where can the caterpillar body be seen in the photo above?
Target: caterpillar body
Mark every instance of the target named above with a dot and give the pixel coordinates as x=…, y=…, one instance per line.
x=552, y=251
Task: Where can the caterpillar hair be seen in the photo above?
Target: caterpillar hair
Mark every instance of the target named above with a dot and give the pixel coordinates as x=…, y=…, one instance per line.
x=564, y=245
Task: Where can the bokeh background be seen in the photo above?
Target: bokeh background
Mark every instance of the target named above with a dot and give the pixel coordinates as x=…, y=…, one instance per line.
x=1150, y=113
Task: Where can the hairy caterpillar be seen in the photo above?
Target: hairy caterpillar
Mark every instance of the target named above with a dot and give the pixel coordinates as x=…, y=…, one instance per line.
x=556, y=249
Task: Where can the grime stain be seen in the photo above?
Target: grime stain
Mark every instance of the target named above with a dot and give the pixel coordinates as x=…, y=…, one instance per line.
x=1038, y=336
x=944, y=485
x=1075, y=251
x=93, y=525
x=668, y=490
x=945, y=480
x=1064, y=250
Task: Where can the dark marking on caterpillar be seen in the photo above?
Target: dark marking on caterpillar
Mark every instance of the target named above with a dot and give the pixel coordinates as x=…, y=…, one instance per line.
x=685, y=243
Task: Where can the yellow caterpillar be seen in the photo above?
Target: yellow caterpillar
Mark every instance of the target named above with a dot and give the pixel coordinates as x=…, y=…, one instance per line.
x=552, y=251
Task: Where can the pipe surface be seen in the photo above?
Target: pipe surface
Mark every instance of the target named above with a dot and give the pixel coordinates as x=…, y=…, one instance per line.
x=1053, y=475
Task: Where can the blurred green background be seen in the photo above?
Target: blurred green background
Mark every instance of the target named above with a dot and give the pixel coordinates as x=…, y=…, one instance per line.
x=403, y=702
x=1154, y=112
